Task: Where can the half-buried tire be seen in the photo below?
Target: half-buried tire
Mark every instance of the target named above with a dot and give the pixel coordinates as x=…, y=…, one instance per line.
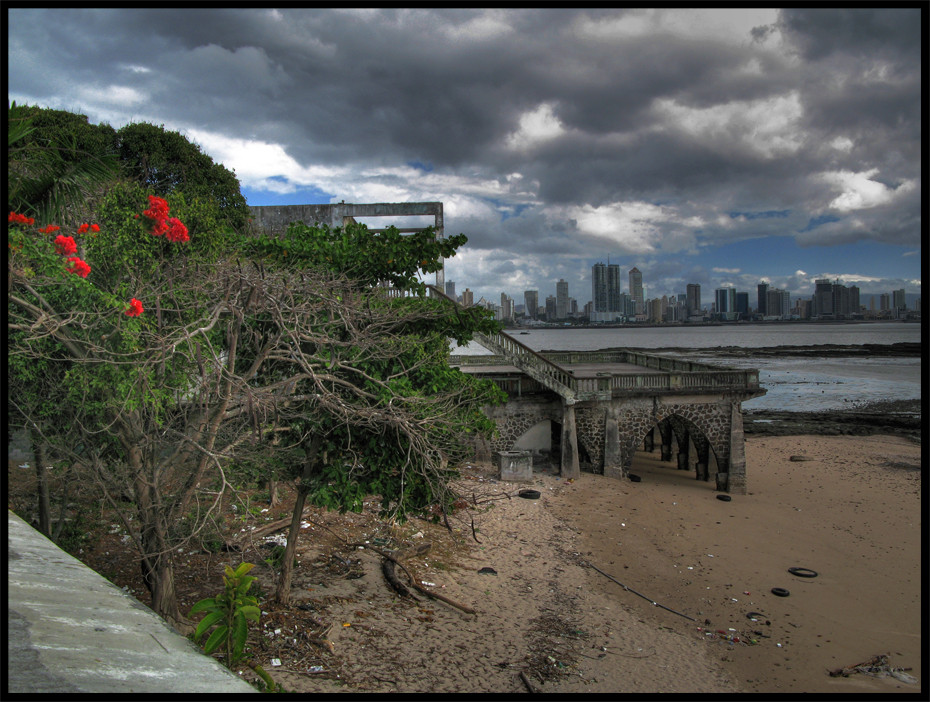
x=529, y=494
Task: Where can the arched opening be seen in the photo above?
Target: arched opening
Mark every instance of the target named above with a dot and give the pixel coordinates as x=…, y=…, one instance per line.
x=543, y=441
x=676, y=453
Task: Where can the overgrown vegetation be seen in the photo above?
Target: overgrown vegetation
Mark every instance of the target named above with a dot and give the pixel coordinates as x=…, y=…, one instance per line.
x=163, y=352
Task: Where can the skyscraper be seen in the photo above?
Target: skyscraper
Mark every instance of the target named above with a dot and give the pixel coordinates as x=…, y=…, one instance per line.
x=561, y=299
x=605, y=291
x=694, y=299
x=599, y=289
x=823, y=299
x=636, y=289
x=762, y=298
x=725, y=300
x=450, y=288
x=468, y=298
x=613, y=289
x=898, y=301
x=530, y=303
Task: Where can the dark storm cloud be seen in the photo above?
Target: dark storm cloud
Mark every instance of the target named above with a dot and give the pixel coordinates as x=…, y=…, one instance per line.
x=536, y=124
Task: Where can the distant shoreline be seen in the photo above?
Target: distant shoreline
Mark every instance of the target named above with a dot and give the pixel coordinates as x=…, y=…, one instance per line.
x=692, y=325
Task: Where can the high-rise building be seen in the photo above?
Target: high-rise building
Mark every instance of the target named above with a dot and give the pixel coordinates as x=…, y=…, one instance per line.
x=450, y=288
x=506, y=306
x=761, y=298
x=636, y=288
x=530, y=303
x=898, y=301
x=742, y=304
x=725, y=303
x=605, y=291
x=823, y=299
x=694, y=299
x=551, y=308
x=599, y=287
x=468, y=298
x=562, y=299
x=613, y=288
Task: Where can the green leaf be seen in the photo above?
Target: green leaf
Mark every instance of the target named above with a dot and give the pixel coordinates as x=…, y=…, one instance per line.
x=243, y=569
x=240, y=634
x=205, y=604
x=250, y=612
x=207, y=622
x=216, y=638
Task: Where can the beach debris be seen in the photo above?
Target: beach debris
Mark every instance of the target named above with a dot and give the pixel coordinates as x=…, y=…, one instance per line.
x=529, y=494
x=487, y=570
x=526, y=681
x=803, y=572
x=877, y=666
x=780, y=592
x=648, y=599
x=634, y=478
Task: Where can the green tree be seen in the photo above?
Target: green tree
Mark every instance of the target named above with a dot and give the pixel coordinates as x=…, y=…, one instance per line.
x=245, y=350
x=165, y=163
x=58, y=165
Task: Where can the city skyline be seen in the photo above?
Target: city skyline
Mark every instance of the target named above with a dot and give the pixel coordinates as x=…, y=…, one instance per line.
x=707, y=296
x=721, y=147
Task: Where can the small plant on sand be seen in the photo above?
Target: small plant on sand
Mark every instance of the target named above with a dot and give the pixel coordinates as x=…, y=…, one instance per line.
x=229, y=613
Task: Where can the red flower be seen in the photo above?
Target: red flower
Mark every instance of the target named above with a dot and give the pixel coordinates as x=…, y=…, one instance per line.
x=49, y=229
x=177, y=231
x=65, y=245
x=21, y=219
x=83, y=228
x=158, y=208
x=95, y=227
x=78, y=267
x=135, y=308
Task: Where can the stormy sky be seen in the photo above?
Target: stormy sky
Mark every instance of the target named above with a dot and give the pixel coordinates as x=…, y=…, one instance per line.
x=724, y=147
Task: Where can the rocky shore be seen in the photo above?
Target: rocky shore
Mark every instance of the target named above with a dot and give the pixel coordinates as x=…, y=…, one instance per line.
x=902, y=349
x=890, y=417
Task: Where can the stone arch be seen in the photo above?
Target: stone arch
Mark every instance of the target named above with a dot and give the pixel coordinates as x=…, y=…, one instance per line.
x=708, y=425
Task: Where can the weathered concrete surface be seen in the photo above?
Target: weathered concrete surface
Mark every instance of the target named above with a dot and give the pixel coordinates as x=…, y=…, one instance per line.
x=71, y=630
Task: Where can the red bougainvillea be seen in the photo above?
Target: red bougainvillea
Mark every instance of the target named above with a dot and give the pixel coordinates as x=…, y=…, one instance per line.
x=84, y=227
x=135, y=308
x=78, y=267
x=176, y=230
x=65, y=245
x=49, y=229
x=21, y=219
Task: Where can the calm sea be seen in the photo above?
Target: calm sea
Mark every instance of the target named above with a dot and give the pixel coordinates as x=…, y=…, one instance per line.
x=796, y=384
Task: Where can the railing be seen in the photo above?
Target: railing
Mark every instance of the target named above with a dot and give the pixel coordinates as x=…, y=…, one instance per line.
x=674, y=375
x=523, y=357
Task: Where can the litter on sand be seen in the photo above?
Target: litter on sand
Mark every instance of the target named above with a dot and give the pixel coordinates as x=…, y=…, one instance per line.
x=878, y=667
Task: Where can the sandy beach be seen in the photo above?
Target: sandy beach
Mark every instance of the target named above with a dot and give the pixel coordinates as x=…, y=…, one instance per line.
x=567, y=605
x=850, y=511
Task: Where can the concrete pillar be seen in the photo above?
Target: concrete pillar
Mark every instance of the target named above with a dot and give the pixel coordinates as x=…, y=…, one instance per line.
x=649, y=443
x=737, y=468
x=683, y=442
x=665, y=430
x=613, y=460
x=570, y=467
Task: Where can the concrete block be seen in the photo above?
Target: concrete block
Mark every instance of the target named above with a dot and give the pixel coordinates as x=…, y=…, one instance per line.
x=516, y=466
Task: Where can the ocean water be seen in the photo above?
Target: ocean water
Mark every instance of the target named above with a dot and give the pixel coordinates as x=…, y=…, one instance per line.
x=792, y=383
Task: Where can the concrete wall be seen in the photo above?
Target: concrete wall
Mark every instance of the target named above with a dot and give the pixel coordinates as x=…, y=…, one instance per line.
x=71, y=630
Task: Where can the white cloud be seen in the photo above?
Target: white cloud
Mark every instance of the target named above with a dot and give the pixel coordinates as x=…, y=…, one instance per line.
x=489, y=25
x=860, y=192
x=768, y=126
x=119, y=95
x=535, y=127
x=726, y=270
